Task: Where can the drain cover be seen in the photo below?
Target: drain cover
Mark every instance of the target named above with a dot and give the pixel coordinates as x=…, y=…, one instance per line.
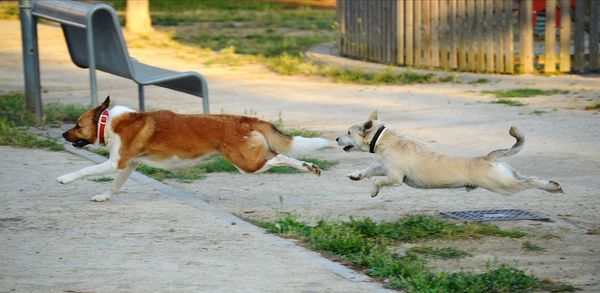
x=495, y=215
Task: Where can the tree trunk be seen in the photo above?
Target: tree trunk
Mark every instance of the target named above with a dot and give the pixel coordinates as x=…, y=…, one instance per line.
x=138, y=17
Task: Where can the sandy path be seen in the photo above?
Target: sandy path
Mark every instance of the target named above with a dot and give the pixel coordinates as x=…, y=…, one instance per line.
x=563, y=144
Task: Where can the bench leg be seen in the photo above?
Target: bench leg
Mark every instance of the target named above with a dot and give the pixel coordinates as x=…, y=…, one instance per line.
x=204, y=93
x=141, y=98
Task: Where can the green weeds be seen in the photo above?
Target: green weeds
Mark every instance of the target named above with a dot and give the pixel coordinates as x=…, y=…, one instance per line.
x=595, y=106
x=444, y=252
x=508, y=102
x=366, y=244
x=523, y=93
x=102, y=179
x=528, y=246
x=16, y=117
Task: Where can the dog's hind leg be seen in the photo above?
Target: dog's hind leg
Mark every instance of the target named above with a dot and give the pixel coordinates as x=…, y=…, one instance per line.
x=375, y=169
x=547, y=185
x=283, y=160
x=117, y=183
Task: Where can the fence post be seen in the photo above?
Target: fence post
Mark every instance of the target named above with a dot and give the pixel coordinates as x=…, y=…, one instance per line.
x=31, y=63
x=549, y=59
x=593, y=59
x=409, y=11
x=400, y=32
x=579, y=33
x=565, y=36
x=508, y=42
x=525, y=23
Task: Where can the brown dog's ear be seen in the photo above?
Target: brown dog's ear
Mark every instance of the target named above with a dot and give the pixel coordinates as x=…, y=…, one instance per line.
x=373, y=116
x=106, y=103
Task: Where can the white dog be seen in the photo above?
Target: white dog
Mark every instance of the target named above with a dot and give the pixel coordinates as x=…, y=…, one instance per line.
x=400, y=159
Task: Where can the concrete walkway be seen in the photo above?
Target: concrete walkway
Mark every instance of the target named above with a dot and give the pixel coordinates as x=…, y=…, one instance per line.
x=55, y=240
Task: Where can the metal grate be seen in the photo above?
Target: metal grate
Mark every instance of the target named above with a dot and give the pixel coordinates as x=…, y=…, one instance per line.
x=496, y=215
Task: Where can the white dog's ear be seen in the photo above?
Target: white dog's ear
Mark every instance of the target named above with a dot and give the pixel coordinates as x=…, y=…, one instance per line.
x=373, y=116
x=367, y=126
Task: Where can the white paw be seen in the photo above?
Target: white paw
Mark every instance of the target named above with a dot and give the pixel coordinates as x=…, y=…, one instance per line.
x=100, y=198
x=374, y=191
x=66, y=179
x=355, y=176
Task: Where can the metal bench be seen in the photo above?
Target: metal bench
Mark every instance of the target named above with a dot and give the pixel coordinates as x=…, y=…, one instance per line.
x=95, y=41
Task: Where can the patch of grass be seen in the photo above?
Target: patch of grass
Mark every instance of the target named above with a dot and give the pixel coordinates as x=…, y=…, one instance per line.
x=13, y=135
x=444, y=252
x=294, y=131
x=479, y=81
x=9, y=10
x=528, y=246
x=102, y=179
x=508, y=102
x=182, y=174
x=537, y=112
x=216, y=164
x=15, y=118
x=523, y=93
x=100, y=151
x=595, y=106
x=365, y=244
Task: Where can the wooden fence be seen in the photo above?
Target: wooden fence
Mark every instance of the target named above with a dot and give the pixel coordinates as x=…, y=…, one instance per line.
x=495, y=36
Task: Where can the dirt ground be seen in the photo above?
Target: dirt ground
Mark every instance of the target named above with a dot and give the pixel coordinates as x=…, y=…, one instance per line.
x=563, y=144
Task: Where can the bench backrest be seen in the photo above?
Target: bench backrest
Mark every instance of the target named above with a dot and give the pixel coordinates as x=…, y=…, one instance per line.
x=76, y=18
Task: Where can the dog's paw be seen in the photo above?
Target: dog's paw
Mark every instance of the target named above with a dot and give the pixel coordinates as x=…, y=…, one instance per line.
x=374, y=191
x=100, y=197
x=66, y=179
x=312, y=168
x=355, y=176
x=557, y=187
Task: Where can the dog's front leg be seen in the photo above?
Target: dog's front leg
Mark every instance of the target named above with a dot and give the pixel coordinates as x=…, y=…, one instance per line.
x=99, y=169
x=117, y=183
x=384, y=181
x=375, y=169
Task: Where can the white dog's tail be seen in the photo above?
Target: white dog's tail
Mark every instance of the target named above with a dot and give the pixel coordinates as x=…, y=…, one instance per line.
x=304, y=145
x=286, y=144
x=514, y=132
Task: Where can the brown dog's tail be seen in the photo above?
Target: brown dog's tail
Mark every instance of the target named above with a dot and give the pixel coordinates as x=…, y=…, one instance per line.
x=514, y=132
x=277, y=140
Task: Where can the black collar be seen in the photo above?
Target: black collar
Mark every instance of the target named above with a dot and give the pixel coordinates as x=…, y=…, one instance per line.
x=375, y=139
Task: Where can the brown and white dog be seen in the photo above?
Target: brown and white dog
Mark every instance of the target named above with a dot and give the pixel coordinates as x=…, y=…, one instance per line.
x=402, y=160
x=164, y=139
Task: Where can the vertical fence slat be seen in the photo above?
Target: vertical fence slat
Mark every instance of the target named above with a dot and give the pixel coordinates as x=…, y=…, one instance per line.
x=427, y=33
x=452, y=40
x=526, y=27
x=565, y=36
x=499, y=36
x=490, y=29
x=550, y=38
x=594, y=22
x=508, y=37
x=400, y=32
x=435, y=35
x=473, y=34
x=418, y=33
x=479, y=23
x=579, y=33
x=462, y=47
x=444, y=34
x=409, y=12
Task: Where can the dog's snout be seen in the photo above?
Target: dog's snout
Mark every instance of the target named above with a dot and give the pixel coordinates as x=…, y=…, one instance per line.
x=337, y=139
x=65, y=134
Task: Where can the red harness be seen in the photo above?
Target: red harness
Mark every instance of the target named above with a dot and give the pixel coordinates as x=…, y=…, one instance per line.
x=102, y=126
